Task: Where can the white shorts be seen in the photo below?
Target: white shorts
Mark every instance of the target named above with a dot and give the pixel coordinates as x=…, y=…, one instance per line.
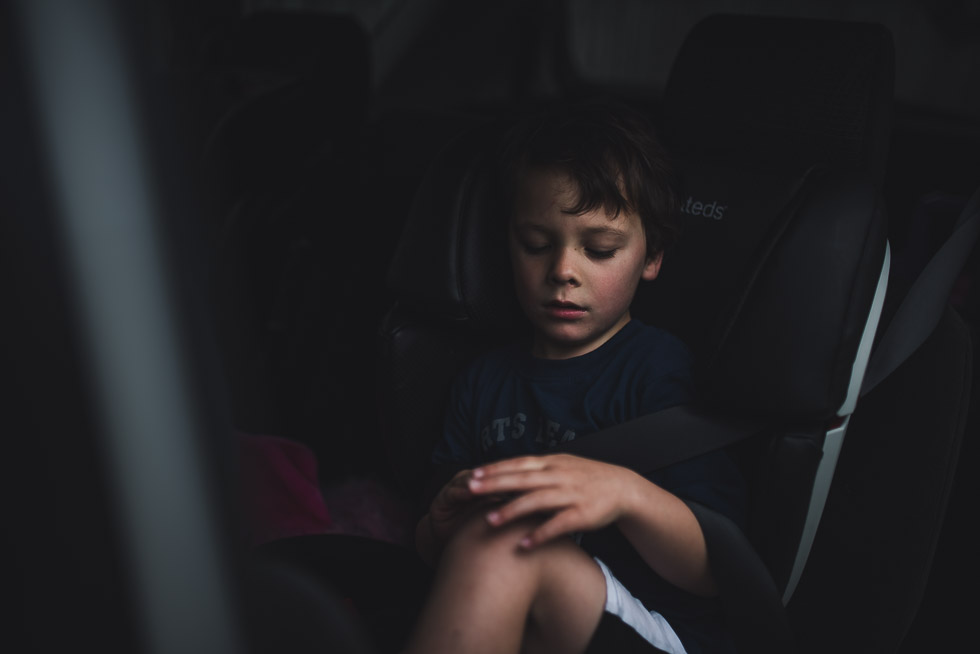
x=650, y=625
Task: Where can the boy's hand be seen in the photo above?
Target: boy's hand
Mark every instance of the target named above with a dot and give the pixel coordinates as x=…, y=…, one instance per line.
x=580, y=494
x=449, y=504
x=454, y=501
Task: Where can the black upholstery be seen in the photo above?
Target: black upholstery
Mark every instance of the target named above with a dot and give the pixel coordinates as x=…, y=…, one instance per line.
x=793, y=93
x=757, y=111
x=382, y=587
x=784, y=123
x=283, y=169
x=872, y=556
x=452, y=254
x=285, y=610
x=806, y=307
x=783, y=91
x=745, y=290
x=451, y=277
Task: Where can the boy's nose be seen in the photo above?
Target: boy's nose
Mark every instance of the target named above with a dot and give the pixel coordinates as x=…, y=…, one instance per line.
x=563, y=268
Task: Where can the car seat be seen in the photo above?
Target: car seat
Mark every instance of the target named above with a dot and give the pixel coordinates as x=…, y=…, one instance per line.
x=778, y=285
x=283, y=177
x=802, y=92
x=756, y=111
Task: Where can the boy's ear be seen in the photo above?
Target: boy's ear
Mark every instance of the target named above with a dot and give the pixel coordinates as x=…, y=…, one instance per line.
x=652, y=267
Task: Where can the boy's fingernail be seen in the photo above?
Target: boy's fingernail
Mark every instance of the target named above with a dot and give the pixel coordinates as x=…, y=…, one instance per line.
x=526, y=542
x=478, y=473
x=474, y=483
x=493, y=517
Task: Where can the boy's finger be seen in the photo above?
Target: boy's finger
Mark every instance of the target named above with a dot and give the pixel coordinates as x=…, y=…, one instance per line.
x=526, y=505
x=511, y=481
x=460, y=478
x=510, y=465
x=452, y=496
x=459, y=492
x=561, y=524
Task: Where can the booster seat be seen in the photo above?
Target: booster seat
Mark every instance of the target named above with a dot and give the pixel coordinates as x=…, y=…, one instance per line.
x=777, y=285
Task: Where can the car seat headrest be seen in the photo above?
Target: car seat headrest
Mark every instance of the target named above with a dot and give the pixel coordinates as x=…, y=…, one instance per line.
x=727, y=212
x=301, y=84
x=770, y=284
x=290, y=42
x=452, y=258
x=783, y=90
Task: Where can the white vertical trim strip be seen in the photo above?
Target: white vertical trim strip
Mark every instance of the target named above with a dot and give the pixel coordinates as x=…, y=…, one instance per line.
x=834, y=439
x=867, y=338
x=833, y=442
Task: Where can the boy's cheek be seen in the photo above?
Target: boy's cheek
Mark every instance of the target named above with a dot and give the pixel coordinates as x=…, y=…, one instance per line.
x=523, y=289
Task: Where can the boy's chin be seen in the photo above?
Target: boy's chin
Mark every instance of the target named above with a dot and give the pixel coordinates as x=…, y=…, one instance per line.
x=564, y=347
x=566, y=340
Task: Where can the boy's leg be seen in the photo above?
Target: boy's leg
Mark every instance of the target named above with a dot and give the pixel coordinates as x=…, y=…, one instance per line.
x=491, y=596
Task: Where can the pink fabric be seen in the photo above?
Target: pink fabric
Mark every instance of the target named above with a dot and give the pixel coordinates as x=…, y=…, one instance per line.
x=281, y=491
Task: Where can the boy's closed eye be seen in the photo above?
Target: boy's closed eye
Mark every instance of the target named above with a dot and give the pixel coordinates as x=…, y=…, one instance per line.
x=601, y=253
x=604, y=246
x=592, y=250
x=535, y=247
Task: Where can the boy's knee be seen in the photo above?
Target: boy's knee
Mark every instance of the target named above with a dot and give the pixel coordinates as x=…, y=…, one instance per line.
x=478, y=542
x=477, y=537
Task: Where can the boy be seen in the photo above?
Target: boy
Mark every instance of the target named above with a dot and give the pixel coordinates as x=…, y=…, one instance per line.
x=543, y=552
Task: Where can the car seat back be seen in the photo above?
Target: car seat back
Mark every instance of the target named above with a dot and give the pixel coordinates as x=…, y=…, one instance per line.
x=451, y=281
x=783, y=91
x=780, y=128
x=282, y=170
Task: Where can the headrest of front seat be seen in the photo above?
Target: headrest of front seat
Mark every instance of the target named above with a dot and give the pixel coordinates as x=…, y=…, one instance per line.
x=782, y=91
x=302, y=89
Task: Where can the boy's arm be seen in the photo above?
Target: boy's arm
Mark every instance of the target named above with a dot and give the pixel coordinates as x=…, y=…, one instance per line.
x=667, y=535
x=583, y=494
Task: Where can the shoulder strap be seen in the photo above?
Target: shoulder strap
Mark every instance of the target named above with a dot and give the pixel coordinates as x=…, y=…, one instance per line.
x=920, y=310
x=682, y=432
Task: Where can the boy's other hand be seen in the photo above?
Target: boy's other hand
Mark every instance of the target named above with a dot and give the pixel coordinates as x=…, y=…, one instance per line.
x=579, y=494
x=453, y=502
x=449, y=504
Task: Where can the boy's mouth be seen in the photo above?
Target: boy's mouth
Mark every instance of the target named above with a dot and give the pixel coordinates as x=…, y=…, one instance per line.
x=564, y=310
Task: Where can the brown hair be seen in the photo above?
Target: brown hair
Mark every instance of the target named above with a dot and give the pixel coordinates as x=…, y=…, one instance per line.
x=611, y=152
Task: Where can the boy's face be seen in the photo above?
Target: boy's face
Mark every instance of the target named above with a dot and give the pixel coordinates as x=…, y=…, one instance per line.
x=575, y=275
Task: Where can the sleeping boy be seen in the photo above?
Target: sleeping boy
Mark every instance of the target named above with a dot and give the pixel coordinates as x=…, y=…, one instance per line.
x=548, y=552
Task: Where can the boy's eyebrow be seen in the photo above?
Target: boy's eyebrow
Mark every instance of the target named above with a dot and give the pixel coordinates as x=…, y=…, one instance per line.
x=598, y=230
x=604, y=231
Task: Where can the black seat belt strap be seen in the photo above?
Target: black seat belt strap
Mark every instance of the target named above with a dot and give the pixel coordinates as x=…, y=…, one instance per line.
x=657, y=440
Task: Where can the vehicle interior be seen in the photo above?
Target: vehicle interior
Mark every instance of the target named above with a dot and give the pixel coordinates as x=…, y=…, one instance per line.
x=247, y=245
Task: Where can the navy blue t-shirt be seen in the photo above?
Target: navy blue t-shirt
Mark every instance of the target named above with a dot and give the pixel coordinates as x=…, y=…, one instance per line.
x=508, y=403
